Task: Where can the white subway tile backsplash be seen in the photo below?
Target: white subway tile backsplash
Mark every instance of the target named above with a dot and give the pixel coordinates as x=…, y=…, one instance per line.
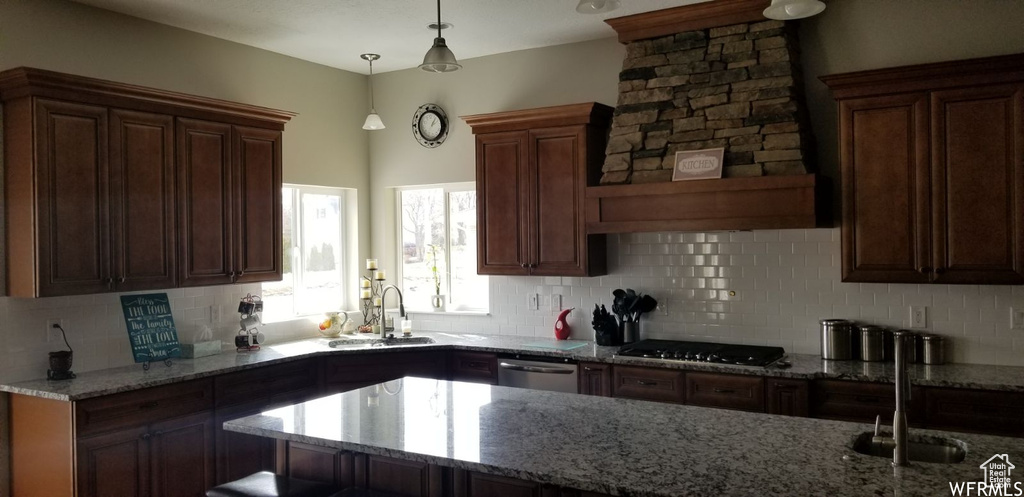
x=784, y=280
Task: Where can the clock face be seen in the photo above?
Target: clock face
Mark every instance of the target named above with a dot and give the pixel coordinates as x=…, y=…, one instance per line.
x=430, y=125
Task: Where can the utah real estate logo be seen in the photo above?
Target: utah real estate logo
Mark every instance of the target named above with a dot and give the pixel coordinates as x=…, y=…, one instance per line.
x=996, y=480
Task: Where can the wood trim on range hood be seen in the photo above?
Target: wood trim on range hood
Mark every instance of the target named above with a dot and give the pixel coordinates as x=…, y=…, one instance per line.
x=764, y=202
x=687, y=18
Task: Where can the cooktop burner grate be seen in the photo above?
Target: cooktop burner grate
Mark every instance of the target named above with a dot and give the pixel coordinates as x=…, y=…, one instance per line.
x=720, y=353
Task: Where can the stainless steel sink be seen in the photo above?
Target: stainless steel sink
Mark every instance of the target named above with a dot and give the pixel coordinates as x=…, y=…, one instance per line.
x=405, y=340
x=919, y=449
x=341, y=343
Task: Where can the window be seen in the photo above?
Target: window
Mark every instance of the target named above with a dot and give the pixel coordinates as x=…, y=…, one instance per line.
x=313, y=279
x=437, y=228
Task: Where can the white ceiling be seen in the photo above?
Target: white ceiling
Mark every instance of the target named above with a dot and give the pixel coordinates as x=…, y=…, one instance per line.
x=335, y=32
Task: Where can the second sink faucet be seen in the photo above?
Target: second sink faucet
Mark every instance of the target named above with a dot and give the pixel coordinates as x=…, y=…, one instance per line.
x=384, y=328
x=898, y=441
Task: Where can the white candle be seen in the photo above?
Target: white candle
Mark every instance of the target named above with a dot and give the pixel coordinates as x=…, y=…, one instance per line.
x=376, y=302
x=364, y=283
x=365, y=294
x=371, y=264
x=378, y=275
x=406, y=327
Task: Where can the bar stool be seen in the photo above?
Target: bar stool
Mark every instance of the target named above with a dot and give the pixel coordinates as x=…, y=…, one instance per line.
x=267, y=484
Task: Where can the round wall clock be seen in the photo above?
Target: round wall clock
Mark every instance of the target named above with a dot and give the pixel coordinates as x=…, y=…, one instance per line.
x=430, y=125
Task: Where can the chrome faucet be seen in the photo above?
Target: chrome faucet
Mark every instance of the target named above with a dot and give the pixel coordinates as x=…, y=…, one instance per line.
x=384, y=328
x=898, y=441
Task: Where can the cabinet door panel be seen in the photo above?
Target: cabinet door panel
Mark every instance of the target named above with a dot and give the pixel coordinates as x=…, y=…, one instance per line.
x=595, y=379
x=258, y=169
x=787, y=397
x=663, y=385
x=114, y=464
x=501, y=203
x=556, y=185
x=182, y=456
x=142, y=200
x=884, y=154
x=240, y=455
x=204, y=203
x=72, y=199
x=978, y=184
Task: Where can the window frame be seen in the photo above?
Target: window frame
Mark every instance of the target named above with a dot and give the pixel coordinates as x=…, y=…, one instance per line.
x=298, y=261
x=446, y=189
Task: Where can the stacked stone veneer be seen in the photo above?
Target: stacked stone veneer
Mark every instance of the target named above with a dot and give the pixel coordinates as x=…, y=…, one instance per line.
x=736, y=87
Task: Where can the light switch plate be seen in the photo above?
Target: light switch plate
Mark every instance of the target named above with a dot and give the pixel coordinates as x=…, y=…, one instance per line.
x=1016, y=318
x=533, y=302
x=556, y=302
x=918, y=316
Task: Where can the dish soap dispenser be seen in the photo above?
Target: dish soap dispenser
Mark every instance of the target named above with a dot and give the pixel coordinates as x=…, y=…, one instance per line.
x=562, y=326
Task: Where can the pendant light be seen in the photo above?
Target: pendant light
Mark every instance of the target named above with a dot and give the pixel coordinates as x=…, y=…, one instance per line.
x=788, y=10
x=439, y=58
x=373, y=121
x=596, y=6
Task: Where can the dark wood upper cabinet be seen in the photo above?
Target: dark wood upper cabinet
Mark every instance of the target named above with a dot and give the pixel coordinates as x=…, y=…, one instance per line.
x=142, y=220
x=71, y=203
x=533, y=168
x=205, y=203
x=978, y=184
x=257, y=170
x=932, y=160
x=115, y=187
x=501, y=192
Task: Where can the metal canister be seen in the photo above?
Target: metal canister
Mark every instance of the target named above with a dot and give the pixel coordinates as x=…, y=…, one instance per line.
x=890, y=344
x=933, y=349
x=911, y=348
x=872, y=343
x=837, y=339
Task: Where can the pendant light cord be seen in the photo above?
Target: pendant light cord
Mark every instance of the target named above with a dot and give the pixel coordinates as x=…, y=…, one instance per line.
x=439, y=18
x=372, y=109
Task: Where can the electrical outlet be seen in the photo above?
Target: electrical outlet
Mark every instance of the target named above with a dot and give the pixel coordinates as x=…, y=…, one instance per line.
x=214, y=313
x=1016, y=319
x=918, y=316
x=556, y=302
x=53, y=333
x=533, y=303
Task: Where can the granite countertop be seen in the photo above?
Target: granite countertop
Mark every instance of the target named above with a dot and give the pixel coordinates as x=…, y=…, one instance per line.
x=803, y=366
x=614, y=446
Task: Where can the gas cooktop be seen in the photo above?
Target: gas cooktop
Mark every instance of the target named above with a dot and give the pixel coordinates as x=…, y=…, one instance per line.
x=720, y=353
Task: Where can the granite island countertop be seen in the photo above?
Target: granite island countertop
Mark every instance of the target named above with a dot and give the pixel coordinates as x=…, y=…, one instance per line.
x=802, y=366
x=614, y=446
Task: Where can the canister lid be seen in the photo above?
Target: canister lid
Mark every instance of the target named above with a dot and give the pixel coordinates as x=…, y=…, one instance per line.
x=836, y=322
x=932, y=338
x=870, y=329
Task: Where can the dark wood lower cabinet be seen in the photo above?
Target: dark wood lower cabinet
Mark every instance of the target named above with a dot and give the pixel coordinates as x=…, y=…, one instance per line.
x=595, y=378
x=349, y=372
x=181, y=456
x=240, y=455
x=993, y=413
x=399, y=477
x=728, y=391
x=114, y=464
x=861, y=402
x=787, y=397
x=664, y=385
x=473, y=484
x=474, y=367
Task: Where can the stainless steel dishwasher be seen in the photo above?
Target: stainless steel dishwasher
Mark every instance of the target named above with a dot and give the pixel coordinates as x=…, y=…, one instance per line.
x=538, y=373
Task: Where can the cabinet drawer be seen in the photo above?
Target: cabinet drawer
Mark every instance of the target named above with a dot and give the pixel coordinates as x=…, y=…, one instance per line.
x=745, y=393
x=996, y=413
x=664, y=385
x=262, y=385
x=131, y=409
x=474, y=366
x=862, y=401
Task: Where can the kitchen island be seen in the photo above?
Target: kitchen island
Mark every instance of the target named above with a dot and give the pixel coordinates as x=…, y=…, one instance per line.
x=607, y=445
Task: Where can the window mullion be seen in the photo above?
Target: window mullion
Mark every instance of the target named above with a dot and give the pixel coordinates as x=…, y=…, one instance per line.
x=448, y=242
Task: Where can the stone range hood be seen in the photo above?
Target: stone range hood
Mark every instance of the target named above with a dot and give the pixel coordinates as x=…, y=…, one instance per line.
x=710, y=75
x=705, y=84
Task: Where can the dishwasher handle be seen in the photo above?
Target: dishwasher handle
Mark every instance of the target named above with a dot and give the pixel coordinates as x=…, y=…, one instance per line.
x=535, y=369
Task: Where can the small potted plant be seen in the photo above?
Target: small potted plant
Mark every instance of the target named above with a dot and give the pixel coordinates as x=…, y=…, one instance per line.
x=437, y=300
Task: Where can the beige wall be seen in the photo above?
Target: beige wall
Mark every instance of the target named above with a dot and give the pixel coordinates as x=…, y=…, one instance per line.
x=323, y=145
x=565, y=74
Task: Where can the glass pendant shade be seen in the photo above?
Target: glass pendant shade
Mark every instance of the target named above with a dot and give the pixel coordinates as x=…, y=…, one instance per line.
x=440, y=58
x=788, y=10
x=373, y=121
x=596, y=6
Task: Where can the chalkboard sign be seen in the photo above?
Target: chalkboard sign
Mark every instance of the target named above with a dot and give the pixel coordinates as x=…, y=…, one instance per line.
x=150, y=327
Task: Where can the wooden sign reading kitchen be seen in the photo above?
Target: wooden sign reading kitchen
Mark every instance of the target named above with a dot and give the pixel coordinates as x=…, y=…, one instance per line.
x=150, y=327
x=698, y=164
